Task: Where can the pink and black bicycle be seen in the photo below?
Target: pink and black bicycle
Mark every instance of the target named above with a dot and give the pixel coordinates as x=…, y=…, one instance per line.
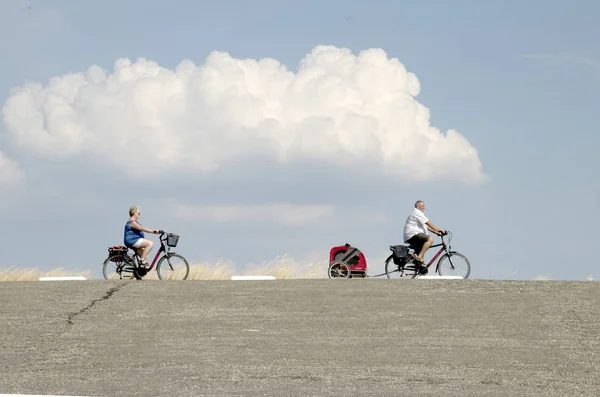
x=401, y=263
x=121, y=264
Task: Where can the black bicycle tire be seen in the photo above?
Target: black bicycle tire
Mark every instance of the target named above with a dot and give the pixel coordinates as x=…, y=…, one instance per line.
x=449, y=254
x=164, y=258
x=106, y=263
x=389, y=260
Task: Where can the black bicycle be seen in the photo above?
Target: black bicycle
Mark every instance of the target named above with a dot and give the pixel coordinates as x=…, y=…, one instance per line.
x=120, y=264
x=402, y=263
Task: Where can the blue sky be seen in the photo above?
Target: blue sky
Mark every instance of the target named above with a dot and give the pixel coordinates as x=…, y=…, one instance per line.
x=518, y=80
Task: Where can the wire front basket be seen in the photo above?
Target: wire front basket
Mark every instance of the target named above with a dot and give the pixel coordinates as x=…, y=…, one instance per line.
x=172, y=239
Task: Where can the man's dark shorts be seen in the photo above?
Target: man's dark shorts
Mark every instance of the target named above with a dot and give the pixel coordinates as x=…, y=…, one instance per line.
x=417, y=241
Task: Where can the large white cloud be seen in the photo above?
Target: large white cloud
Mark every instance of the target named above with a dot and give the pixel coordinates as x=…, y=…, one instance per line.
x=146, y=120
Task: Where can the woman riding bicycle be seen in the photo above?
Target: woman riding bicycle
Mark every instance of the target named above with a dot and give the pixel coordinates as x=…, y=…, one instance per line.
x=133, y=236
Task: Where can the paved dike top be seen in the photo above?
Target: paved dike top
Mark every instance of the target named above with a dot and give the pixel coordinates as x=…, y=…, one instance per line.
x=300, y=338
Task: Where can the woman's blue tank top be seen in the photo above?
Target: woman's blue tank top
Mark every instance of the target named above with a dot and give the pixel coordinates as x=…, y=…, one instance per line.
x=131, y=235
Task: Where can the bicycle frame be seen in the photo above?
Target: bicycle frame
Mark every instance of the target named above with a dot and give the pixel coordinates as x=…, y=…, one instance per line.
x=163, y=248
x=445, y=248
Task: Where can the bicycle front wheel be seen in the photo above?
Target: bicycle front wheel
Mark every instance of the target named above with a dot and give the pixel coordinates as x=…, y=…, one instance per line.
x=454, y=264
x=173, y=267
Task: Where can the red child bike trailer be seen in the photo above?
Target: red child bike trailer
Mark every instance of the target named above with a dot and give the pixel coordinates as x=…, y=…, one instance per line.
x=346, y=261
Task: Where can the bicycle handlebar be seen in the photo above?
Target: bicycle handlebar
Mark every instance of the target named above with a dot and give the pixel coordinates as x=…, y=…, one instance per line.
x=162, y=236
x=448, y=232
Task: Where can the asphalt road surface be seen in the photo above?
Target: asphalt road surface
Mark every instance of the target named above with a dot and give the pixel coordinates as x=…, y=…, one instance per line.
x=300, y=338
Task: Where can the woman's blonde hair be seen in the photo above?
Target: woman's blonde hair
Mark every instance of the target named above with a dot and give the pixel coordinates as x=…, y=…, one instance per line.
x=133, y=210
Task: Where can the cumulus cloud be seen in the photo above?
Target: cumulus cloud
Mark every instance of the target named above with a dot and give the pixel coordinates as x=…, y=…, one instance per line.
x=355, y=111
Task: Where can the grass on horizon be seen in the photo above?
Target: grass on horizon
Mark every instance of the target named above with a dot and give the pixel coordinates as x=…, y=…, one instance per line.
x=282, y=267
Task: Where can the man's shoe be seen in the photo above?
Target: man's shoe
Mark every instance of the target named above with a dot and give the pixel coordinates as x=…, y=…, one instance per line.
x=420, y=266
x=418, y=261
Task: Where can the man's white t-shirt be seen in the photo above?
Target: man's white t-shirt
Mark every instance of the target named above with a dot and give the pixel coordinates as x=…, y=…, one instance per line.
x=415, y=224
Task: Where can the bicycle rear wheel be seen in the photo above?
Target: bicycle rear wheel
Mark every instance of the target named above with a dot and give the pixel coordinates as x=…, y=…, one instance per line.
x=117, y=269
x=393, y=270
x=454, y=264
x=173, y=267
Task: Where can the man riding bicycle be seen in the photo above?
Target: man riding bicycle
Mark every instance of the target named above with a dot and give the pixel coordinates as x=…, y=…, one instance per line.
x=415, y=231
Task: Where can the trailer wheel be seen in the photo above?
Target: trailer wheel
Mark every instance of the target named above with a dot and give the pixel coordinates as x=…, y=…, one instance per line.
x=339, y=269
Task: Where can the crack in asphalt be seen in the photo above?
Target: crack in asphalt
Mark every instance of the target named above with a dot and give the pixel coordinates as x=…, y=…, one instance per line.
x=106, y=296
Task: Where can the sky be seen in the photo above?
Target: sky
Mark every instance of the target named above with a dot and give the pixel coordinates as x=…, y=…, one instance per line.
x=258, y=129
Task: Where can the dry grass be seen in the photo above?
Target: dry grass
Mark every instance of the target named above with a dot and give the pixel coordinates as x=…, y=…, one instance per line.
x=31, y=274
x=285, y=267
x=282, y=267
